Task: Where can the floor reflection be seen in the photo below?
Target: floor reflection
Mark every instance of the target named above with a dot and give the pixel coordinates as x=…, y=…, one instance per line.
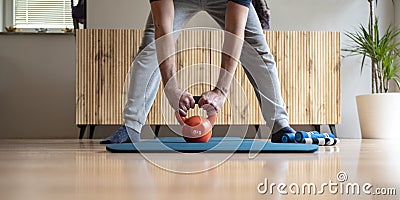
x=68, y=169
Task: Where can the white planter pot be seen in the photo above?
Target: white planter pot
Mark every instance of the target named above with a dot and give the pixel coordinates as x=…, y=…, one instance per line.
x=379, y=115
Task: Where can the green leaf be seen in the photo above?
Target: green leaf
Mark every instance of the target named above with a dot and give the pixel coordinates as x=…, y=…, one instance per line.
x=397, y=81
x=384, y=50
x=362, y=64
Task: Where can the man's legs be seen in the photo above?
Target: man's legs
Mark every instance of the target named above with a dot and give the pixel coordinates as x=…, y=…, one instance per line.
x=260, y=68
x=145, y=77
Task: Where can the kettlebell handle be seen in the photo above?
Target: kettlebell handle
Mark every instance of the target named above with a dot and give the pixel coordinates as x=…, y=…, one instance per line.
x=196, y=99
x=182, y=120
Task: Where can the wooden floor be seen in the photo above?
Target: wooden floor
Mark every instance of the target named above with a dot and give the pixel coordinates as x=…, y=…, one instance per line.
x=72, y=169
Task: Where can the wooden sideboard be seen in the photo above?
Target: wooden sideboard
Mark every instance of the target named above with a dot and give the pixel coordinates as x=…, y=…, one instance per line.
x=308, y=65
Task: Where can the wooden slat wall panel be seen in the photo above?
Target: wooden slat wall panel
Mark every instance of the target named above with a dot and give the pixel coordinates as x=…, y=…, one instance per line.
x=308, y=66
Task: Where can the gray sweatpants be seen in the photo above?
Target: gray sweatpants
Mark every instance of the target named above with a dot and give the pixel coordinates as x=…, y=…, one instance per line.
x=145, y=75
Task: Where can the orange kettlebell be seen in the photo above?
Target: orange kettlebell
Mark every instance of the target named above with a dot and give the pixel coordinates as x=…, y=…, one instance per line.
x=196, y=128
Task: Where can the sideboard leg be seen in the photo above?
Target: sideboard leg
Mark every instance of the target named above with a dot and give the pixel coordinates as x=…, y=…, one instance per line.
x=258, y=132
x=317, y=127
x=82, y=129
x=92, y=128
x=333, y=129
x=157, y=130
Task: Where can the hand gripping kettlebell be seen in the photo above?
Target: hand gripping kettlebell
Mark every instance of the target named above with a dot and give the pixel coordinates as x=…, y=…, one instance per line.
x=196, y=128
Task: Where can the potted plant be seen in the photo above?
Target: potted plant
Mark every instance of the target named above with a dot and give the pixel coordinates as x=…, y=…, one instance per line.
x=379, y=112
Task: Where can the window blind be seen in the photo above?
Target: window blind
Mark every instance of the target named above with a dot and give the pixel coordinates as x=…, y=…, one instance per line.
x=42, y=14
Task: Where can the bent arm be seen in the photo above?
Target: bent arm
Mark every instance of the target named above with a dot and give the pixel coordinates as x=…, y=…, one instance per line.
x=163, y=18
x=235, y=22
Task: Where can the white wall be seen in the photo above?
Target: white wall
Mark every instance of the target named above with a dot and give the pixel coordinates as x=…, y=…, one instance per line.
x=1, y=15
x=37, y=87
x=397, y=25
x=7, y=12
x=397, y=13
x=37, y=80
x=38, y=73
x=128, y=14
